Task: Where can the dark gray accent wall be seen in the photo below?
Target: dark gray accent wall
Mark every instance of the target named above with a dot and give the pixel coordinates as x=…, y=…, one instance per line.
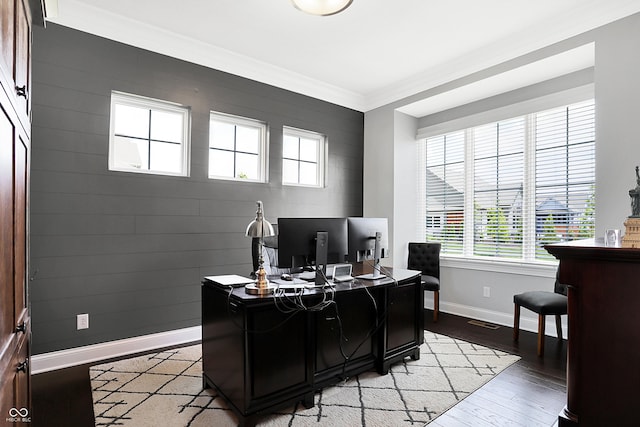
x=131, y=249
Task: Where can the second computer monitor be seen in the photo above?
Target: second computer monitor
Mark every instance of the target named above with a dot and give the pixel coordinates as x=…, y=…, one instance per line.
x=362, y=238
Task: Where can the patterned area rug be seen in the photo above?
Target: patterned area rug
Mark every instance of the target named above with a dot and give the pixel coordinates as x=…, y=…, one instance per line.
x=165, y=389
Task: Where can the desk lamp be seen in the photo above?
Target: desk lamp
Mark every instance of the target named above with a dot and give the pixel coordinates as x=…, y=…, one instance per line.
x=258, y=229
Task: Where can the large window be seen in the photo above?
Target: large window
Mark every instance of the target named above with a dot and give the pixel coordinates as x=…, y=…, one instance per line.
x=237, y=148
x=505, y=189
x=498, y=184
x=148, y=136
x=445, y=186
x=303, y=157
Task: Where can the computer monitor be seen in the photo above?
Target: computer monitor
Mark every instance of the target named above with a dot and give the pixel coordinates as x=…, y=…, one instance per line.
x=304, y=242
x=368, y=240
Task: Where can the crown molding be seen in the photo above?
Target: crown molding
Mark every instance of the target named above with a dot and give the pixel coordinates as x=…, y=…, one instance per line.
x=561, y=28
x=74, y=14
x=78, y=15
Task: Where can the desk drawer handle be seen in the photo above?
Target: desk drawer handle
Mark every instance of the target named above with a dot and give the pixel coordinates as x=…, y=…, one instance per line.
x=233, y=307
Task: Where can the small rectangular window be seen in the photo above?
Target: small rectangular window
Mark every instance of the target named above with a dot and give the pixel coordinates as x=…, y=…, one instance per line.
x=237, y=148
x=148, y=136
x=303, y=157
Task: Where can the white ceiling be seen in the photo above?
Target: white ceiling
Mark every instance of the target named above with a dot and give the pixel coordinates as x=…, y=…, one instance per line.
x=374, y=53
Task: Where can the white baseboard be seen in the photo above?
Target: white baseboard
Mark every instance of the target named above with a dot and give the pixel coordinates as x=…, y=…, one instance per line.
x=498, y=318
x=88, y=354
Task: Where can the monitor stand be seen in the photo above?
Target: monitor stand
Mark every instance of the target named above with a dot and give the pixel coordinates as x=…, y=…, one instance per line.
x=322, y=243
x=371, y=276
x=377, y=254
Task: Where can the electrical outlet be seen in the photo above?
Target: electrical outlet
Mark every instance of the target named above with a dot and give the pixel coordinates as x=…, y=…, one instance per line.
x=82, y=321
x=486, y=292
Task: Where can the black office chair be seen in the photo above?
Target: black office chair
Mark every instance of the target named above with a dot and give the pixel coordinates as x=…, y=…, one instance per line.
x=426, y=258
x=544, y=303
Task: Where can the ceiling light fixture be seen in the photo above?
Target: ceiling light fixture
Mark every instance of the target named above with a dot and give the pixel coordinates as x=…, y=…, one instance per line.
x=322, y=7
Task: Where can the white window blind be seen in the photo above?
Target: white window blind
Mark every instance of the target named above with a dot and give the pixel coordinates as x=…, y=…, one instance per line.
x=565, y=175
x=445, y=186
x=530, y=181
x=498, y=166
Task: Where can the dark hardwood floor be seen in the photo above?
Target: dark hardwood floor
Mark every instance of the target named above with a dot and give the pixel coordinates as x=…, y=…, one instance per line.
x=531, y=392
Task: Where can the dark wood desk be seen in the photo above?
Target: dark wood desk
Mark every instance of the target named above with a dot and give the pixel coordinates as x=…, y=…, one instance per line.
x=603, y=357
x=260, y=358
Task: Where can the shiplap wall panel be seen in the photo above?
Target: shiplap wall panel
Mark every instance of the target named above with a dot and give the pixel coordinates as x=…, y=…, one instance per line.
x=131, y=249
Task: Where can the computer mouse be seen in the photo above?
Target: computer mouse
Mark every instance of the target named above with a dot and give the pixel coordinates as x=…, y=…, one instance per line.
x=286, y=276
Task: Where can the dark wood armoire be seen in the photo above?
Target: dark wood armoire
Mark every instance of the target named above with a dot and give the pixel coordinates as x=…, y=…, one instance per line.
x=603, y=347
x=16, y=20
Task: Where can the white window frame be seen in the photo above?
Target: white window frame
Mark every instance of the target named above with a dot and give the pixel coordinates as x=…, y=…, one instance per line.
x=262, y=172
x=126, y=99
x=529, y=240
x=321, y=153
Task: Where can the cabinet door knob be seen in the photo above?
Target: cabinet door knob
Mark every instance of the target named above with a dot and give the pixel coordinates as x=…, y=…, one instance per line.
x=22, y=367
x=22, y=91
x=22, y=327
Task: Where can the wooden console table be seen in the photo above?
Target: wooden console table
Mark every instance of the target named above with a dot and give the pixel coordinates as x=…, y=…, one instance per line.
x=603, y=361
x=260, y=359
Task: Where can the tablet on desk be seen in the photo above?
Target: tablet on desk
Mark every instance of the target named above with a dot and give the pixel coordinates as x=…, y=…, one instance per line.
x=342, y=273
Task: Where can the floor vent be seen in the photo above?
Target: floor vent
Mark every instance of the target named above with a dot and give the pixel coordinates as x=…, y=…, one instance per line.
x=483, y=324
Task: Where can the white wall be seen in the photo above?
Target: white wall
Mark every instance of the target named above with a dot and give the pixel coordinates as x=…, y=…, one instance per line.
x=617, y=114
x=405, y=186
x=617, y=91
x=378, y=183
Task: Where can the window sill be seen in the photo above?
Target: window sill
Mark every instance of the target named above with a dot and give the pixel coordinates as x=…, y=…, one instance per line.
x=539, y=268
x=149, y=172
x=293, y=184
x=232, y=179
